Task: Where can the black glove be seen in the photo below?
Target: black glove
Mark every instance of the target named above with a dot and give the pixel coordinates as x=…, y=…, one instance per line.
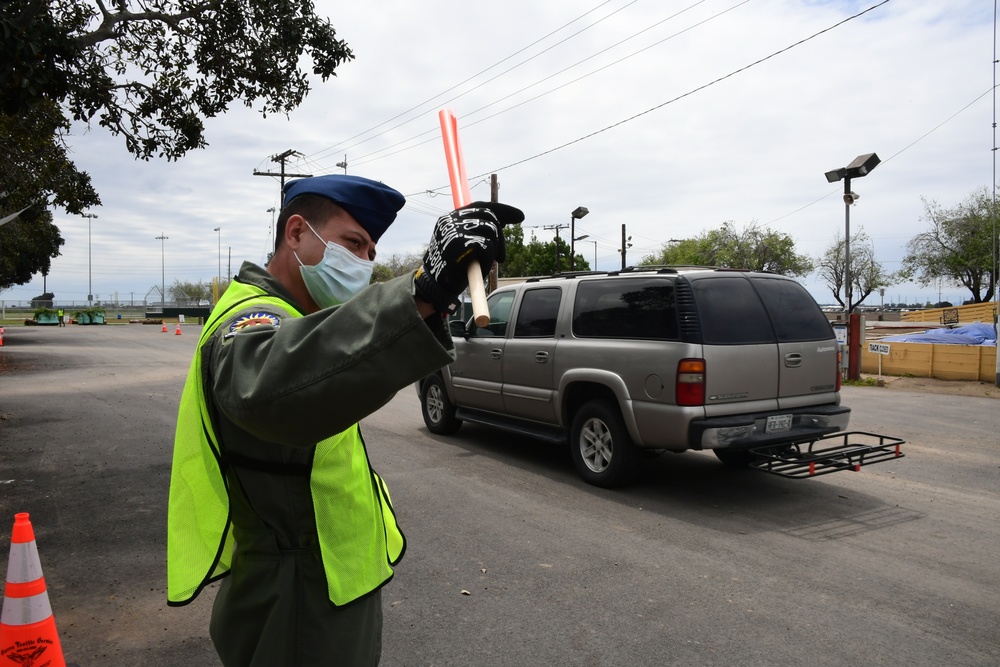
x=473, y=232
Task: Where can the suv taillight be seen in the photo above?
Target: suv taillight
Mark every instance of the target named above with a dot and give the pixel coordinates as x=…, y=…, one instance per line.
x=691, y=382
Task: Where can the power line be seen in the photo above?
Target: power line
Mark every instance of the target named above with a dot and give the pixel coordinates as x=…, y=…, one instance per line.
x=679, y=97
x=338, y=147
x=372, y=155
x=689, y=93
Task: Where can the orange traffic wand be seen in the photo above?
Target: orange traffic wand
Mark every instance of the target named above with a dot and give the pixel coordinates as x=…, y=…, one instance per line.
x=461, y=196
x=28, y=634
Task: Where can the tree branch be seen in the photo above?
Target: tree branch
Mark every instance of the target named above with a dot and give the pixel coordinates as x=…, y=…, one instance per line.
x=105, y=31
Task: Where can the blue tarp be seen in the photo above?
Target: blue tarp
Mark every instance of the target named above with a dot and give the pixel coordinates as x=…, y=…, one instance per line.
x=970, y=334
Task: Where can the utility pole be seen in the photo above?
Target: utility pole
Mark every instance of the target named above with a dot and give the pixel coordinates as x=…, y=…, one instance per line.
x=281, y=158
x=557, y=228
x=494, y=197
x=90, y=289
x=625, y=246
x=162, y=238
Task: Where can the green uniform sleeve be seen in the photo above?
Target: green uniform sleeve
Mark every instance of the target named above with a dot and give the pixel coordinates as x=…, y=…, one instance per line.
x=297, y=380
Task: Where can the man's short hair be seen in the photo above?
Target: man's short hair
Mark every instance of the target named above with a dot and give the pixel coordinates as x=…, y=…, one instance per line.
x=317, y=210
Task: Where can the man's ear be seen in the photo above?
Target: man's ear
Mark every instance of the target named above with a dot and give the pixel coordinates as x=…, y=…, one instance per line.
x=295, y=226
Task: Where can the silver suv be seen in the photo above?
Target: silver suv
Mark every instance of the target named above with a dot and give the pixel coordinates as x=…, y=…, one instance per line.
x=650, y=358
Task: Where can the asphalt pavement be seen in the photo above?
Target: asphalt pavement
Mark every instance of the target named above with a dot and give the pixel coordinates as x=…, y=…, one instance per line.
x=511, y=559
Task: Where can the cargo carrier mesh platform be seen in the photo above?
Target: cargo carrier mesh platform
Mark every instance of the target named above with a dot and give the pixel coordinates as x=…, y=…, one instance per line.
x=850, y=450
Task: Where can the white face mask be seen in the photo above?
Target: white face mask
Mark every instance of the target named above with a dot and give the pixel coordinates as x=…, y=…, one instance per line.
x=339, y=275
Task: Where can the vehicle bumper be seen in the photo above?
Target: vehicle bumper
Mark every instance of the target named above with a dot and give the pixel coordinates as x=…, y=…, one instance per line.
x=746, y=431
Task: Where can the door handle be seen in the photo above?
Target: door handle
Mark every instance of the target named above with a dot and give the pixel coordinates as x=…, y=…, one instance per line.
x=495, y=353
x=541, y=357
x=793, y=360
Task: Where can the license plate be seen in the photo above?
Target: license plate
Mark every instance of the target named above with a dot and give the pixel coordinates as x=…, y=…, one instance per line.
x=778, y=423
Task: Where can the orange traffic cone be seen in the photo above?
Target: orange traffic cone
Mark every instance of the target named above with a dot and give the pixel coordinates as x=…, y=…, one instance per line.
x=28, y=634
x=178, y=331
x=1, y=336
x=164, y=329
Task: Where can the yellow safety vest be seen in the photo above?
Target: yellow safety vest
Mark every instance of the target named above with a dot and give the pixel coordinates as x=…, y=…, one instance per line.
x=355, y=522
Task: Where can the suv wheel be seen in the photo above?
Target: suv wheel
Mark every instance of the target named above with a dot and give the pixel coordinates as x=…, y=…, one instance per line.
x=439, y=413
x=600, y=445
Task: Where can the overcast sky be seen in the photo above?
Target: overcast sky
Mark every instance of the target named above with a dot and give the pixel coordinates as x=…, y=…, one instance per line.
x=668, y=117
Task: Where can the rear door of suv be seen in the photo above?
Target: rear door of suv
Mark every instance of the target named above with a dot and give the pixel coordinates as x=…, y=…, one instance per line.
x=807, y=346
x=529, y=356
x=739, y=345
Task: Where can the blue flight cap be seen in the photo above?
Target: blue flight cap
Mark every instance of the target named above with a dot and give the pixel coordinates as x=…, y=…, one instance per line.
x=374, y=205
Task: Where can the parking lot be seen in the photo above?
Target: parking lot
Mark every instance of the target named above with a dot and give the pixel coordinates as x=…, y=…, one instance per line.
x=511, y=559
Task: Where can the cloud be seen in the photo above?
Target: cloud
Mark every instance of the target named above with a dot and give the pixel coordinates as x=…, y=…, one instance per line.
x=653, y=118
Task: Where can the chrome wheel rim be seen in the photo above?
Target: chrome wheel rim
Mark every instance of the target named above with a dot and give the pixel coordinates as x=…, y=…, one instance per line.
x=596, y=446
x=435, y=404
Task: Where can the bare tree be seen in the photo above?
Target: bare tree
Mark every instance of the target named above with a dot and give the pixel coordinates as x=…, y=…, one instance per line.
x=395, y=266
x=867, y=274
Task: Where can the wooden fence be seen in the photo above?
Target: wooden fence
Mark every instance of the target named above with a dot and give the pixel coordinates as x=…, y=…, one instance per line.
x=973, y=312
x=945, y=362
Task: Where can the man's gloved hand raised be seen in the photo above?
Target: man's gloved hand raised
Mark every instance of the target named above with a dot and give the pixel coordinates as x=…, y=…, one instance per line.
x=473, y=232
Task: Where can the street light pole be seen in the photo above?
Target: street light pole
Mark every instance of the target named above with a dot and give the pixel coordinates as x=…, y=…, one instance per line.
x=163, y=274
x=579, y=238
x=859, y=167
x=848, y=200
x=90, y=288
x=270, y=232
x=577, y=213
x=218, y=284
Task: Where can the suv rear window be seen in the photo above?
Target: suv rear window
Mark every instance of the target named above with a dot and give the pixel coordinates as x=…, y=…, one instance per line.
x=640, y=308
x=795, y=314
x=730, y=312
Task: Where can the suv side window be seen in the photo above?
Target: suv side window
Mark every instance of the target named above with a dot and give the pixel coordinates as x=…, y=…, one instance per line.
x=795, y=314
x=499, y=304
x=730, y=312
x=642, y=308
x=536, y=317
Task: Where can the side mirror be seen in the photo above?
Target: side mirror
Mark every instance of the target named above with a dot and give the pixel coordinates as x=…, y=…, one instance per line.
x=457, y=328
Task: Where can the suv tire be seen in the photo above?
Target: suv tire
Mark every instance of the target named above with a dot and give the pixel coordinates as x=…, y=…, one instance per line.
x=602, y=450
x=738, y=458
x=437, y=409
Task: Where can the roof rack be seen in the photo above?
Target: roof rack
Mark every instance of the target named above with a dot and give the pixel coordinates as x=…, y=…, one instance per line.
x=651, y=268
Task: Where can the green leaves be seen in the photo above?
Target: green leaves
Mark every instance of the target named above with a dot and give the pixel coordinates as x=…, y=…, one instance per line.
x=150, y=72
x=535, y=258
x=752, y=247
x=958, y=247
x=153, y=74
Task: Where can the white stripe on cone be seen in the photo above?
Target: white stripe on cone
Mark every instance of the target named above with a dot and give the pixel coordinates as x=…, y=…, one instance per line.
x=24, y=564
x=24, y=611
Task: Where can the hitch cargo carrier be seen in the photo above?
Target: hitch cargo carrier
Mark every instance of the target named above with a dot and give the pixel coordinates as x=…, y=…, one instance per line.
x=850, y=450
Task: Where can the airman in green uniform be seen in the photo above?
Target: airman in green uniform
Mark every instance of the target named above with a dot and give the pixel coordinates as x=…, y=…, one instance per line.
x=271, y=482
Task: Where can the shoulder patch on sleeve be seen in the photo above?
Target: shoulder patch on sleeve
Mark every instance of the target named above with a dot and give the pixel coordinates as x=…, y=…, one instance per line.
x=255, y=318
